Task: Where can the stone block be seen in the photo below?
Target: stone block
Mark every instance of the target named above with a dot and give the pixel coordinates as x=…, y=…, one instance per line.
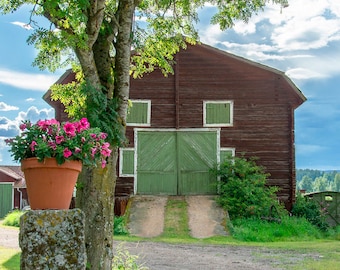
x=52, y=239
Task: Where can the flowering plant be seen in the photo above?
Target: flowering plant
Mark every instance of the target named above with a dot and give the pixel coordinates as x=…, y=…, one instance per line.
x=63, y=141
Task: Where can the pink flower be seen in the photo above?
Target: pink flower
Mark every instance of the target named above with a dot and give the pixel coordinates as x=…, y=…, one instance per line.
x=106, y=145
x=32, y=145
x=67, y=153
x=77, y=150
x=93, y=151
x=105, y=149
x=93, y=135
x=105, y=152
x=42, y=124
x=54, y=122
x=103, y=136
x=103, y=163
x=70, y=129
x=83, y=124
x=52, y=145
x=59, y=139
x=22, y=126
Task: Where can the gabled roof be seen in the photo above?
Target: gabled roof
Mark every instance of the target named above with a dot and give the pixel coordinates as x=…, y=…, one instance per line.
x=69, y=76
x=16, y=173
x=259, y=65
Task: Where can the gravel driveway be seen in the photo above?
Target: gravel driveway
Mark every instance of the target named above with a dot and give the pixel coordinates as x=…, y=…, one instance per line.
x=163, y=256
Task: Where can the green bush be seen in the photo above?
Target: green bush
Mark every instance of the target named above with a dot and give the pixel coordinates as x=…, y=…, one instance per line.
x=13, y=218
x=243, y=190
x=311, y=210
x=119, y=226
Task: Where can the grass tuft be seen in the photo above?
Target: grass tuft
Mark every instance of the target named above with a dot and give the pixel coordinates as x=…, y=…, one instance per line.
x=13, y=218
x=290, y=229
x=176, y=218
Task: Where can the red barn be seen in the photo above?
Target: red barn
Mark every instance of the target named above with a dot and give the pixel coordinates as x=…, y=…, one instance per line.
x=214, y=104
x=12, y=189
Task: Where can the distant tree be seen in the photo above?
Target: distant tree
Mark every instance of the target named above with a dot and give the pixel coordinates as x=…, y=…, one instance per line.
x=306, y=183
x=320, y=184
x=336, y=183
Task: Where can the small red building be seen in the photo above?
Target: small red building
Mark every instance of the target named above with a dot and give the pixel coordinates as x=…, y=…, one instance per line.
x=213, y=105
x=13, y=193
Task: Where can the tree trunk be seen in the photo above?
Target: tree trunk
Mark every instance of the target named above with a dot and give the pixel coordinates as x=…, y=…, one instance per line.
x=96, y=187
x=95, y=196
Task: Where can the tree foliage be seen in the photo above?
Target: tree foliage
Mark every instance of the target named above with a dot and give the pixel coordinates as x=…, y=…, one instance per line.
x=317, y=180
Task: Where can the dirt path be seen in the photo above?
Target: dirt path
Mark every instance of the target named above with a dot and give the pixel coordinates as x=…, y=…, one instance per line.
x=147, y=216
x=9, y=237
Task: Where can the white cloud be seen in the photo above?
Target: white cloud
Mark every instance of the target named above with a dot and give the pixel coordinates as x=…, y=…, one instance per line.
x=5, y=107
x=10, y=128
x=303, y=39
x=23, y=25
x=303, y=73
x=33, y=114
x=30, y=81
x=30, y=99
x=314, y=33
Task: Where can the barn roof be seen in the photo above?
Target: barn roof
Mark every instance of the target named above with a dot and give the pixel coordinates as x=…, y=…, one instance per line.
x=16, y=173
x=259, y=65
x=69, y=76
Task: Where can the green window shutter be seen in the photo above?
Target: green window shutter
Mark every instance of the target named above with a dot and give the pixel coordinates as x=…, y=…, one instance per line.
x=127, y=162
x=139, y=113
x=218, y=113
x=226, y=152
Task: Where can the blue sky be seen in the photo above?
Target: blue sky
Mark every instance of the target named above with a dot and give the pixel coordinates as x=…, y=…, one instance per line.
x=301, y=40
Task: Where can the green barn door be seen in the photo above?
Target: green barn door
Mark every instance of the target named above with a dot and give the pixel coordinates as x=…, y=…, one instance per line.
x=176, y=162
x=6, y=199
x=156, y=163
x=196, y=155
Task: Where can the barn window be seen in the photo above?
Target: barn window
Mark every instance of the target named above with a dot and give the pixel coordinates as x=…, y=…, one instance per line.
x=139, y=113
x=126, y=162
x=218, y=113
x=226, y=153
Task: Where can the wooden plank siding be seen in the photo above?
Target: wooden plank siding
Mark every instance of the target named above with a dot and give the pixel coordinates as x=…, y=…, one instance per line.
x=264, y=100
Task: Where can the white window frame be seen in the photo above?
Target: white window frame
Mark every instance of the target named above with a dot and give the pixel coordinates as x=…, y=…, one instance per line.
x=231, y=149
x=231, y=102
x=148, y=121
x=121, y=150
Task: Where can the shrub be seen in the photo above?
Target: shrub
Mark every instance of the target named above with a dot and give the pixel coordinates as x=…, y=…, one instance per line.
x=243, y=190
x=309, y=209
x=119, y=226
x=13, y=218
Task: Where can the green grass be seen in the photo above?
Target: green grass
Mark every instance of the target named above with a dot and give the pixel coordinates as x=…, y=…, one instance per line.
x=9, y=259
x=290, y=229
x=176, y=219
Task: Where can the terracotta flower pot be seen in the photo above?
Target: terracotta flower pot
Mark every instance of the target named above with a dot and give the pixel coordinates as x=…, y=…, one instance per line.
x=49, y=185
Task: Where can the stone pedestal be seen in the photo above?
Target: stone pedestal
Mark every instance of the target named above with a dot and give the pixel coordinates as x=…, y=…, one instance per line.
x=52, y=239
